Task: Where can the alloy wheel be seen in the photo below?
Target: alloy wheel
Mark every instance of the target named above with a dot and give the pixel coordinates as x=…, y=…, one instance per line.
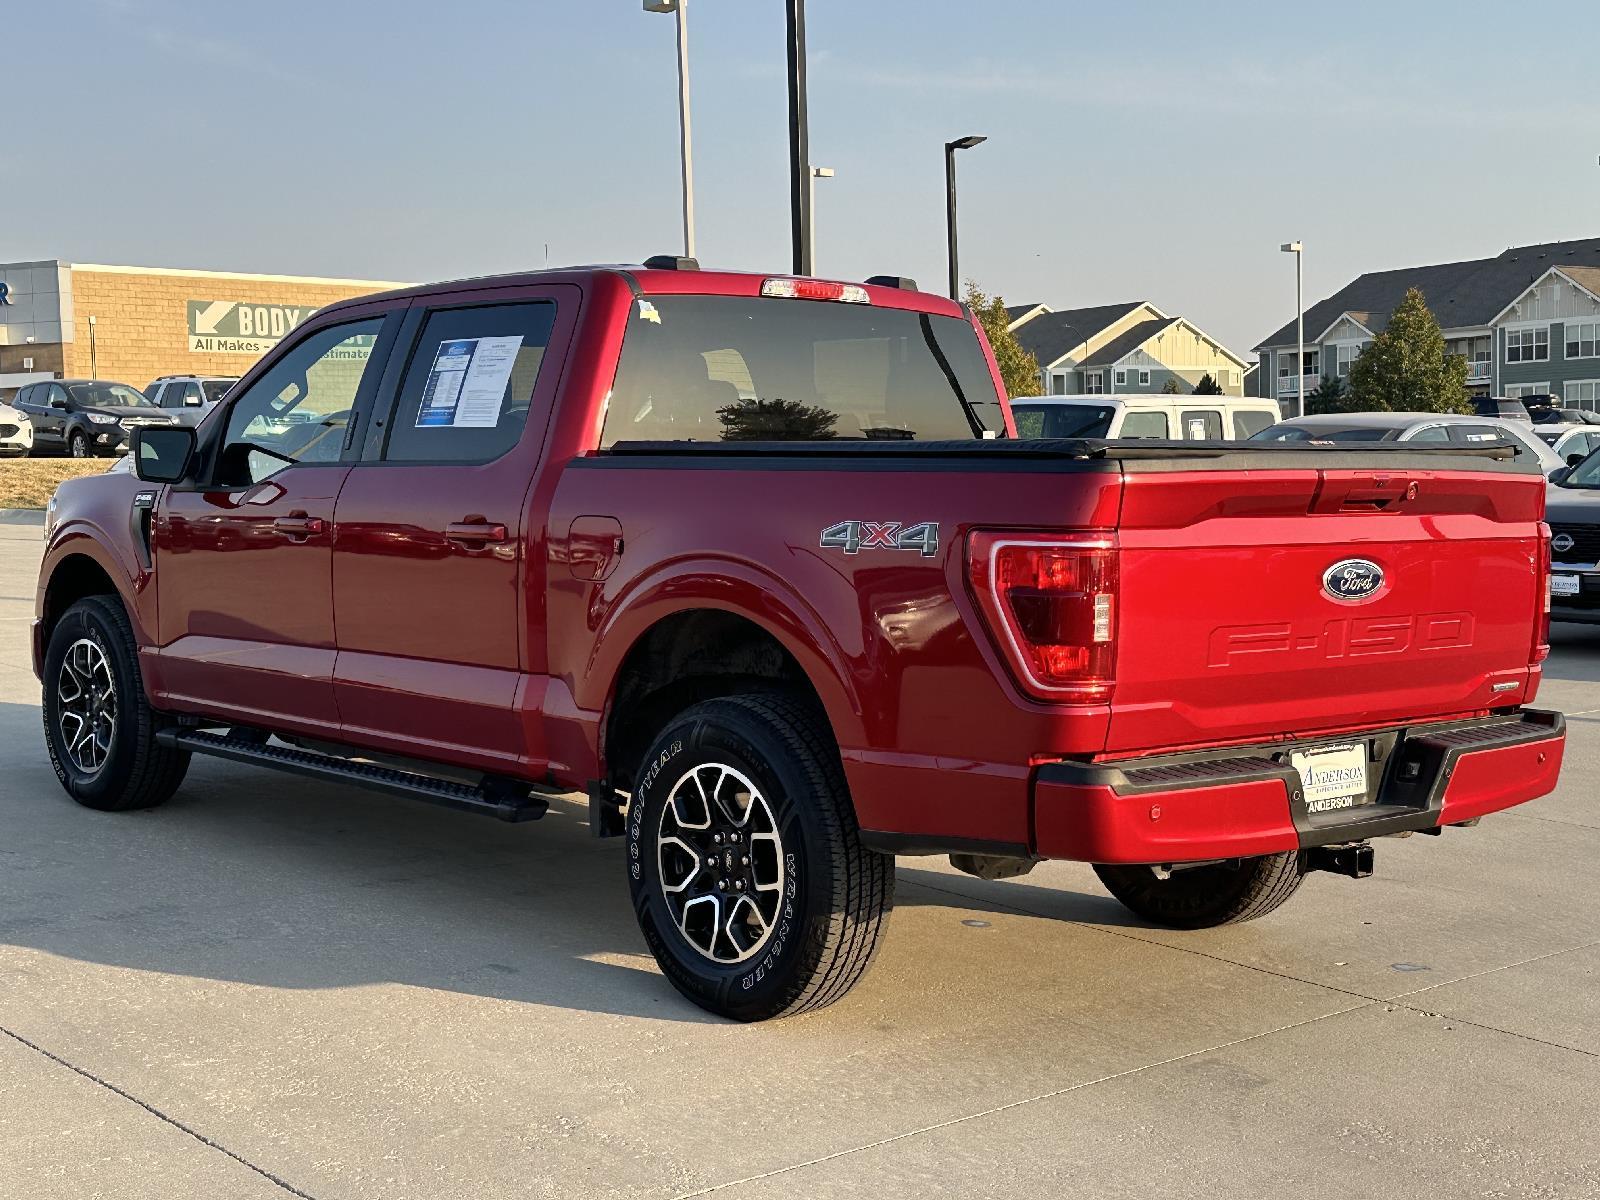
x=86, y=703
x=721, y=862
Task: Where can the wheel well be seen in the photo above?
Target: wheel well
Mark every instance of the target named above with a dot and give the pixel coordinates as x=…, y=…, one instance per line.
x=75, y=577
x=682, y=659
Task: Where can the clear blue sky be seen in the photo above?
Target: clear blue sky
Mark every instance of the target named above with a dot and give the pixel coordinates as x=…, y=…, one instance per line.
x=1138, y=150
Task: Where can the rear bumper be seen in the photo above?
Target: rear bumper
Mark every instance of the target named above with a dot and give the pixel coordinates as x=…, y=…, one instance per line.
x=1246, y=801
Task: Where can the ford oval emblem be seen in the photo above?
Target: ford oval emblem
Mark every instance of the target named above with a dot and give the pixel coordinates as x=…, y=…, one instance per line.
x=1352, y=580
x=1562, y=542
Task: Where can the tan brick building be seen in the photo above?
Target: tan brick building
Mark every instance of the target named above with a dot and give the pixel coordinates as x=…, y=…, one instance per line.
x=133, y=324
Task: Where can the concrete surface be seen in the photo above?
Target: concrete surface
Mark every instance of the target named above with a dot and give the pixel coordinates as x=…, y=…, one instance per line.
x=271, y=987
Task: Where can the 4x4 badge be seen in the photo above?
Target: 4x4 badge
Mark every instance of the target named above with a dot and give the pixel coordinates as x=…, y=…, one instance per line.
x=855, y=536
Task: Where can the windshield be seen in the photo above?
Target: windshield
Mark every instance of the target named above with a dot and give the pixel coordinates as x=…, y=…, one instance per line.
x=108, y=395
x=215, y=389
x=1585, y=475
x=1063, y=420
x=733, y=368
x=1325, y=433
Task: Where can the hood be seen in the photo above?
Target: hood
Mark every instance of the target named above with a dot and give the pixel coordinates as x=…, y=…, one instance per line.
x=1572, y=506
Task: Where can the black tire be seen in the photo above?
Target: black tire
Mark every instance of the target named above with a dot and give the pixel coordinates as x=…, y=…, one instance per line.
x=78, y=445
x=833, y=895
x=1201, y=897
x=134, y=772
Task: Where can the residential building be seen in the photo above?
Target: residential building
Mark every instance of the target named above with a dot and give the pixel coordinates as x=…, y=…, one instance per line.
x=1121, y=349
x=1526, y=321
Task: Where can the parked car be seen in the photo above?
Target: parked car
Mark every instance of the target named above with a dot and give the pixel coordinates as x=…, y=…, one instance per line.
x=1507, y=408
x=1572, y=443
x=1346, y=429
x=16, y=432
x=189, y=397
x=1184, y=418
x=86, y=417
x=732, y=554
x=1573, y=511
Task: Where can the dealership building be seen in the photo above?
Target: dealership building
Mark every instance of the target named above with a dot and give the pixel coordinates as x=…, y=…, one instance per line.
x=62, y=320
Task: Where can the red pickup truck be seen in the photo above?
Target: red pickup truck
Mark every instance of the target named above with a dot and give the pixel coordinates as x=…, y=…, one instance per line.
x=753, y=562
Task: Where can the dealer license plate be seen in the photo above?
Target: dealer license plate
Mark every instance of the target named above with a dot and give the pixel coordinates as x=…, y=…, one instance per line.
x=1332, y=777
x=1565, y=585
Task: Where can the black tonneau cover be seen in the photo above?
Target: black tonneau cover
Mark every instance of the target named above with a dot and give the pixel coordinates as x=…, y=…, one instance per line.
x=1141, y=454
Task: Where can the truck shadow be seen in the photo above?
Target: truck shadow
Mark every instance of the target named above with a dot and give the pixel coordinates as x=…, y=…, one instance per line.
x=252, y=877
x=1575, y=653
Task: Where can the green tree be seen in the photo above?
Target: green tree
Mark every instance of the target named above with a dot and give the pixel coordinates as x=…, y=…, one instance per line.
x=1170, y=387
x=1019, y=369
x=1207, y=386
x=757, y=420
x=1405, y=368
x=1330, y=396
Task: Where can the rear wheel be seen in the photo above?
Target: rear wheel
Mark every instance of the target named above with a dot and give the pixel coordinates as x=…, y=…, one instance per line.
x=1241, y=889
x=98, y=724
x=745, y=863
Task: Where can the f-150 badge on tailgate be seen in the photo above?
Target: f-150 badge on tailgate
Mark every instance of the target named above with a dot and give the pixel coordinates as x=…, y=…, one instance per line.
x=1351, y=580
x=855, y=536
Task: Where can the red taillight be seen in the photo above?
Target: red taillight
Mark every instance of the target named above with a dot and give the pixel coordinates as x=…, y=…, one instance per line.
x=1541, y=642
x=1050, y=601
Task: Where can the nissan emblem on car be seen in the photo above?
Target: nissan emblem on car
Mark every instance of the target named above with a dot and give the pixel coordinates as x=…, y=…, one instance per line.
x=1351, y=580
x=1562, y=542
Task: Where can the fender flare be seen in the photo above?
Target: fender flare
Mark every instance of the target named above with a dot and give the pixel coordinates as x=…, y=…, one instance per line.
x=742, y=590
x=80, y=538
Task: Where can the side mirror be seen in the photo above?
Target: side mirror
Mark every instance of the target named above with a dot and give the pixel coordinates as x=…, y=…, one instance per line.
x=1575, y=458
x=57, y=402
x=1559, y=475
x=162, y=453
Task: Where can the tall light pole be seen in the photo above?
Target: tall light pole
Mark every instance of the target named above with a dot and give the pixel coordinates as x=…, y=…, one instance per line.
x=811, y=208
x=94, y=361
x=950, y=148
x=1298, y=250
x=686, y=152
x=794, y=13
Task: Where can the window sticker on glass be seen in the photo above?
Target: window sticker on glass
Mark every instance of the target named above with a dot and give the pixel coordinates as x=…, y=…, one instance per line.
x=467, y=384
x=1197, y=429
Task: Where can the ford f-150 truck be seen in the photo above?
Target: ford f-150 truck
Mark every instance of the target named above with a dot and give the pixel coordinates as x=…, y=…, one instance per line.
x=753, y=563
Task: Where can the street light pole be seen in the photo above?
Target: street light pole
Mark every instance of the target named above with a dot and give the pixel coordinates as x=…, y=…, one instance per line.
x=950, y=148
x=811, y=207
x=1298, y=250
x=94, y=362
x=686, y=152
x=799, y=139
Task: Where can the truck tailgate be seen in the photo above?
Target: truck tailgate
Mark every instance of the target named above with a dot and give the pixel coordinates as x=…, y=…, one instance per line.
x=1227, y=631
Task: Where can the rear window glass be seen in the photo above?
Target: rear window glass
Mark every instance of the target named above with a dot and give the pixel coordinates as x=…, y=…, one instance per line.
x=1145, y=425
x=729, y=368
x=1062, y=420
x=1247, y=424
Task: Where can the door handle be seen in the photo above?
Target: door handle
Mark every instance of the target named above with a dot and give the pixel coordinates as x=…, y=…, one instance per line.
x=298, y=527
x=475, y=533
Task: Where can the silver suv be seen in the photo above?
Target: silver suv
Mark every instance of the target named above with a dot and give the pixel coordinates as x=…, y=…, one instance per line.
x=189, y=397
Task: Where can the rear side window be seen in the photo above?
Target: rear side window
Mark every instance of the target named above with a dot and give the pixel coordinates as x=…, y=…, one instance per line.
x=1247, y=424
x=1478, y=435
x=1202, y=425
x=732, y=368
x=1145, y=425
x=469, y=388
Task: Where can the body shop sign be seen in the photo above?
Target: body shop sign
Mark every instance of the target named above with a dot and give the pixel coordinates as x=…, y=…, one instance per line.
x=239, y=327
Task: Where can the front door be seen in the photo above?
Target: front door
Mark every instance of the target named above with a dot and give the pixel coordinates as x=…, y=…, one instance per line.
x=243, y=561
x=433, y=569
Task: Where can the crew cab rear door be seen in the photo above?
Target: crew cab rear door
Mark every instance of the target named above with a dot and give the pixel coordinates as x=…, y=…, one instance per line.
x=1232, y=626
x=432, y=563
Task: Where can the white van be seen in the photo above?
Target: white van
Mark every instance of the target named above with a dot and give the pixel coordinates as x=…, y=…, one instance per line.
x=1180, y=418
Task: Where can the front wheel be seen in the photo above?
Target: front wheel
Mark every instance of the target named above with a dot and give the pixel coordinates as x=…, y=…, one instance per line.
x=1240, y=889
x=78, y=444
x=98, y=723
x=745, y=862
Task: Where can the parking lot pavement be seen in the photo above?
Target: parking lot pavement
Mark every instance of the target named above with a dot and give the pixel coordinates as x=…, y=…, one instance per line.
x=275, y=987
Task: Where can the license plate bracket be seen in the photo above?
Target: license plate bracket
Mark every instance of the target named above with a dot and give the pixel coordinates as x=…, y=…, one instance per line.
x=1332, y=778
x=1565, y=585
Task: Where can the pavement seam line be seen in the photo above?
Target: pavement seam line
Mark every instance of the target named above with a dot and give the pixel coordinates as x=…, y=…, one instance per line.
x=1000, y=1108
x=1522, y=962
x=158, y=1114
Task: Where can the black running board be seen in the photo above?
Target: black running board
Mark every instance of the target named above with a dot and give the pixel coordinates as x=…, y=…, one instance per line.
x=504, y=800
